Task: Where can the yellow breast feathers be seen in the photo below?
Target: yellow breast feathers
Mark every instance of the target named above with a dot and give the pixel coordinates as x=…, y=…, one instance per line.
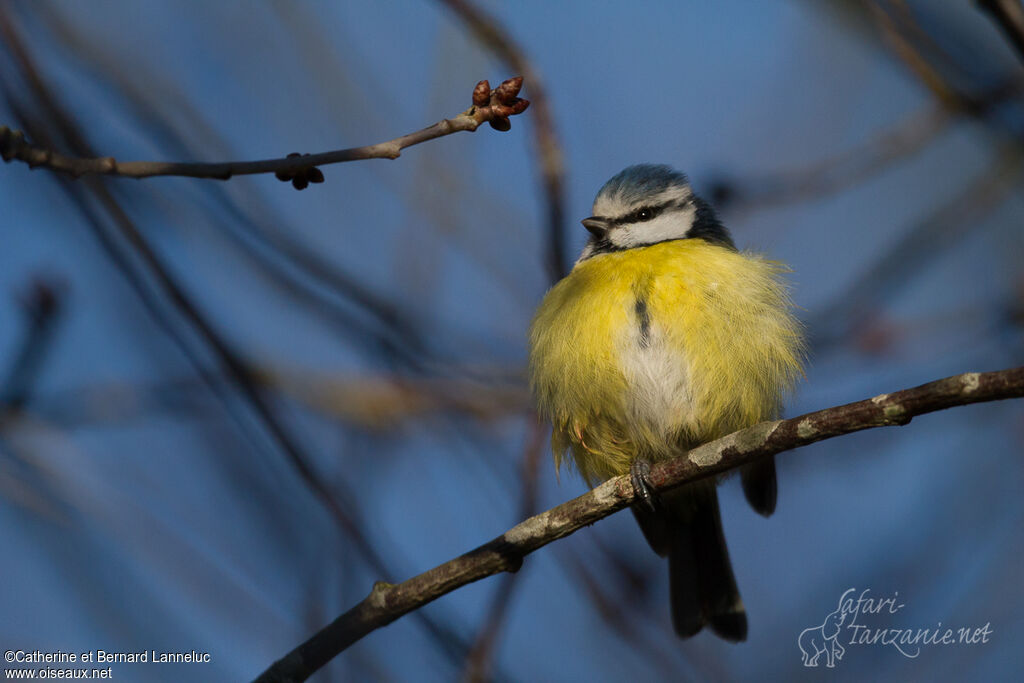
x=652, y=350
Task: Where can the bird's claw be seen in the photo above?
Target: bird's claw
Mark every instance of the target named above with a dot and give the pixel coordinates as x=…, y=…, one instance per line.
x=640, y=477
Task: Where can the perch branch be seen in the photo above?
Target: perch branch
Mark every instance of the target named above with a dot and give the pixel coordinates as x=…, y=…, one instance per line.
x=491, y=106
x=387, y=602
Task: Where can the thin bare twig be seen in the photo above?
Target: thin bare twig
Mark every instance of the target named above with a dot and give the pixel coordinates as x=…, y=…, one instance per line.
x=251, y=222
x=387, y=602
x=492, y=106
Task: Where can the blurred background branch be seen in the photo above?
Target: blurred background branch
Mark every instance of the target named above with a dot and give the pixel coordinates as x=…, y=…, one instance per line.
x=41, y=304
x=479, y=660
x=336, y=497
x=873, y=146
x=1008, y=15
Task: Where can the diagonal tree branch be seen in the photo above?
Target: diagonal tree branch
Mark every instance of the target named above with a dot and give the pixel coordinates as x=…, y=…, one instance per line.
x=387, y=602
x=492, y=106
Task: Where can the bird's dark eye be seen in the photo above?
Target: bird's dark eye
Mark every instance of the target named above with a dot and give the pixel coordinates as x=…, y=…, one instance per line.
x=644, y=215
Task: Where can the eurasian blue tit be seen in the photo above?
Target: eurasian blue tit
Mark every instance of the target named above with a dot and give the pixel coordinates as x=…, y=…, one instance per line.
x=664, y=336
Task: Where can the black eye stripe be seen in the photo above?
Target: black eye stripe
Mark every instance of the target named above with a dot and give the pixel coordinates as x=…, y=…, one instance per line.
x=705, y=226
x=653, y=212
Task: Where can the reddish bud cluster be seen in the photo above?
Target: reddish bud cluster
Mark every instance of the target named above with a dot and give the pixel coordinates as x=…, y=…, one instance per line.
x=495, y=106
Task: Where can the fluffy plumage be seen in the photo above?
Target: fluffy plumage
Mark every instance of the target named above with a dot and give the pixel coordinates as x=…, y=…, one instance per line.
x=719, y=351
x=663, y=337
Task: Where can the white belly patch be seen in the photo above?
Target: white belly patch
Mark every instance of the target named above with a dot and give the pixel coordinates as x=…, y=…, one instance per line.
x=658, y=400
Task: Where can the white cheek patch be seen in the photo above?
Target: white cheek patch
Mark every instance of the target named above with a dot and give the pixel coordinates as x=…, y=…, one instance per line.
x=671, y=225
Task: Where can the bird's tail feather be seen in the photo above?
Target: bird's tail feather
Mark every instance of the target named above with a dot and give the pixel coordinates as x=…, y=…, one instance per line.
x=760, y=486
x=703, y=588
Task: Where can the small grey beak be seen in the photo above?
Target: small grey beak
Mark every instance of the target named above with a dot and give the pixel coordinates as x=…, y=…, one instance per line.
x=598, y=227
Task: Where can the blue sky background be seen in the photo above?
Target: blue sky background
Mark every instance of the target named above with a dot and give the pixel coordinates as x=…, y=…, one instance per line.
x=141, y=510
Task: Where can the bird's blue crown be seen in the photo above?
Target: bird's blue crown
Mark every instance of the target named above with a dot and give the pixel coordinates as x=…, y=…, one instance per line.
x=642, y=180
